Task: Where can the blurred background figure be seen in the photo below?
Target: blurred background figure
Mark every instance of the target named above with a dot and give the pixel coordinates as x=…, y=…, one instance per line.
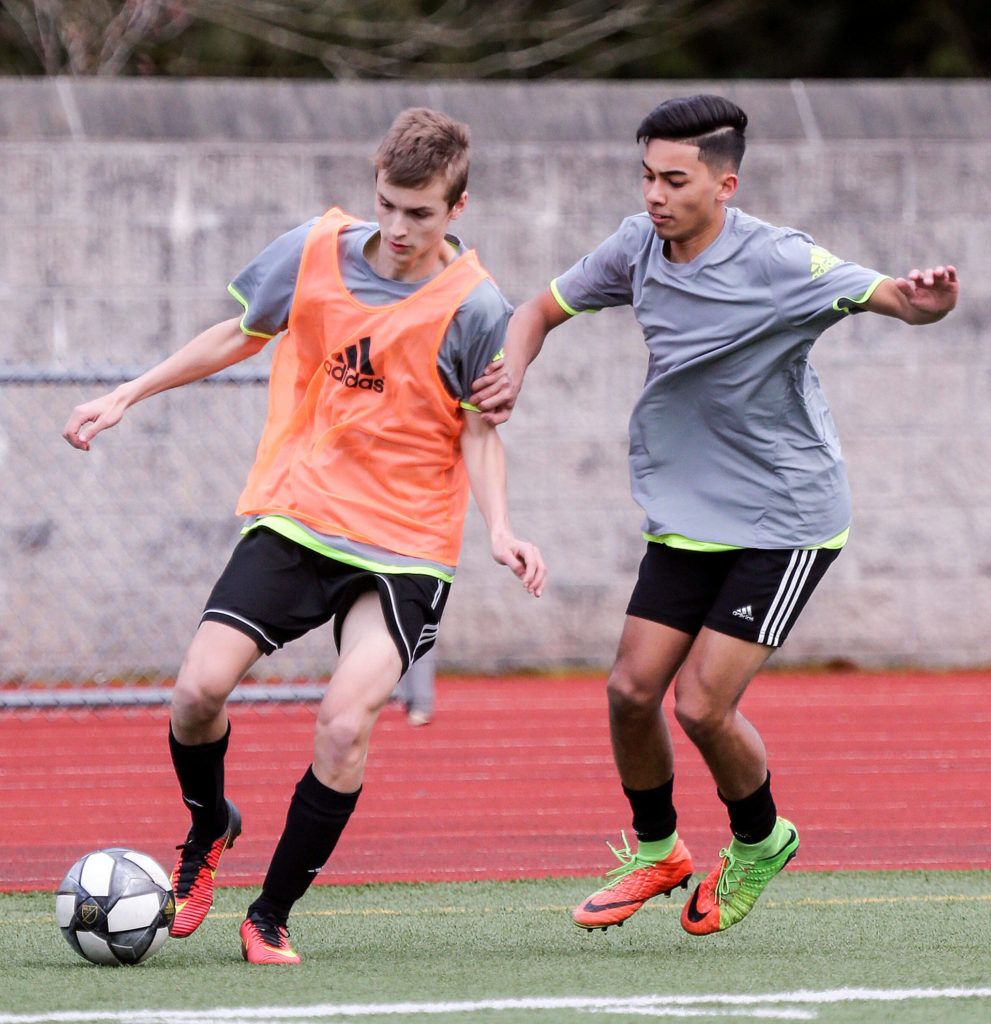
x=415, y=690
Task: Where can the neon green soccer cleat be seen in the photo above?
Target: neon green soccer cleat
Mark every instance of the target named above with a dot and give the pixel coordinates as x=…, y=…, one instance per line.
x=728, y=894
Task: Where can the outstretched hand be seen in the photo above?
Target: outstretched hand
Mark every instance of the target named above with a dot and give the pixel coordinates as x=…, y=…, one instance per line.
x=932, y=292
x=101, y=413
x=525, y=561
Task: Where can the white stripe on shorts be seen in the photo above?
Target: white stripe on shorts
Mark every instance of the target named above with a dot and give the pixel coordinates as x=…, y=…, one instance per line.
x=789, y=591
x=427, y=635
x=240, y=618
x=395, y=614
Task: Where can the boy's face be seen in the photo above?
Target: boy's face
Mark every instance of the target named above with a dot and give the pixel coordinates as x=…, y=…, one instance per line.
x=684, y=198
x=412, y=224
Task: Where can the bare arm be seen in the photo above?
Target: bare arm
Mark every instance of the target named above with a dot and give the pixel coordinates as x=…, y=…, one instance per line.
x=495, y=392
x=924, y=297
x=485, y=461
x=217, y=347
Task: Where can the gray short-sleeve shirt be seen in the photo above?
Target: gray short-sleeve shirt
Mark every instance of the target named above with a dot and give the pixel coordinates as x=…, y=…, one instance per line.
x=731, y=440
x=265, y=287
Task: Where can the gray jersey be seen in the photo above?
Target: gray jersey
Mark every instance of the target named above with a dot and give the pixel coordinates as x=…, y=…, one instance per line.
x=731, y=440
x=266, y=286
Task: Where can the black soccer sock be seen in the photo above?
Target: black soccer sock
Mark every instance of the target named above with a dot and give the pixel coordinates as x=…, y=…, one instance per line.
x=654, y=815
x=200, y=771
x=753, y=818
x=316, y=818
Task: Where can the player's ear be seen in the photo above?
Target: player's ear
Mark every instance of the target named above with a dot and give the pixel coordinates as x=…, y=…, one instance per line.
x=459, y=207
x=727, y=183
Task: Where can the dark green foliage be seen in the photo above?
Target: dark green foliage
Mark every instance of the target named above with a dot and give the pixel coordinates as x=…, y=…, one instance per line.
x=427, y=39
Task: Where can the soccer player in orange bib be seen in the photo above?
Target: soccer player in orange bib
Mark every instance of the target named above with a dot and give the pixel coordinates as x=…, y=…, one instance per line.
x=355, y=504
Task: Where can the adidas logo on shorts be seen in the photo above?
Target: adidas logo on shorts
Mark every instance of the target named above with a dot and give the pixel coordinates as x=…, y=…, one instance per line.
x=746, y=613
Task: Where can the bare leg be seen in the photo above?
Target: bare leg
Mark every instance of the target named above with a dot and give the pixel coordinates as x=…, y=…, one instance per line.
x=215, y=663
x=367, y=672
x=216, y=660
x=326, y=796
x=649, y=656
x=710, y=685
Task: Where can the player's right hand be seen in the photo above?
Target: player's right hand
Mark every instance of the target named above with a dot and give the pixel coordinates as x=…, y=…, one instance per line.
x=88, y=419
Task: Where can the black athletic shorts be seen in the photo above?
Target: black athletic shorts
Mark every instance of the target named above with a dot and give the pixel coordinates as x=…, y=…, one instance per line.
x=749, y=593
x=275, y=590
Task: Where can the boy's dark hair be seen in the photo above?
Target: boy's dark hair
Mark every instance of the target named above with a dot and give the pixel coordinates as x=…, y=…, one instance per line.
x=421, y=144
x=712, y=123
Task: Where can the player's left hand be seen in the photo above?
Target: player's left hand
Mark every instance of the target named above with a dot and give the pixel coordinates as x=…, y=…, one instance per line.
x=932, y=291
x=525, y=560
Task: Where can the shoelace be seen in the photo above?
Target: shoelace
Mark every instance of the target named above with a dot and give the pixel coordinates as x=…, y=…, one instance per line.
x=732, y=875
x=270, y=930
x=628, y=860
x=192, y=860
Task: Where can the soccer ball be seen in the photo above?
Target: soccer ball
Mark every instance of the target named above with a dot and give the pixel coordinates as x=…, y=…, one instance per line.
x=115, y=906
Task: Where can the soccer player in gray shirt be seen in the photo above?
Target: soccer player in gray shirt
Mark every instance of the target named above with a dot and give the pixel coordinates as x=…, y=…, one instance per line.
x=735, y=461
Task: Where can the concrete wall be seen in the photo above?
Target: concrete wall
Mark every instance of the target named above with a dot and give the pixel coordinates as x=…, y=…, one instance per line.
x=127, y=206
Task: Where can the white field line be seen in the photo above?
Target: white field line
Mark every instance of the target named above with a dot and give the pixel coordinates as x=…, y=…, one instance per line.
x=802, y=1004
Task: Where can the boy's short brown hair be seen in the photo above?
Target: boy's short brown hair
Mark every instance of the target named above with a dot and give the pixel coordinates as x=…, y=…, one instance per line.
x=422, y=144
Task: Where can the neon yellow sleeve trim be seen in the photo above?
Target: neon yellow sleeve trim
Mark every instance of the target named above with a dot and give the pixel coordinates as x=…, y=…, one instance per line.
x=244, y=302
x=561, y=302
x=863, y=298
x=501, y=354
x=676, y=540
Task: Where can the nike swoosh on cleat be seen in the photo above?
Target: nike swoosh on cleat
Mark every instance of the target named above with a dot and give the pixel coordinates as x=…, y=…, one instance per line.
x=791, y=838
x=594, y=908
x=693, y=909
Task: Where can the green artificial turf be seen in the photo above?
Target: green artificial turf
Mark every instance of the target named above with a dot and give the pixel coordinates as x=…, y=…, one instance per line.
x=484, y=952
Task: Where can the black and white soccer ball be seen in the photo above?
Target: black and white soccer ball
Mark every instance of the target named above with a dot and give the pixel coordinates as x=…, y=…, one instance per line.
x=115, y=906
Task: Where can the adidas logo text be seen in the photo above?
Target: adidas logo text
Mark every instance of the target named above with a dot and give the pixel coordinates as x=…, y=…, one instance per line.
x=746, y=613
x=353, y=368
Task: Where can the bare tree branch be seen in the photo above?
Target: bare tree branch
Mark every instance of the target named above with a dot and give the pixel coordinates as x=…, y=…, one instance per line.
x=81, y=37
x=479, y=38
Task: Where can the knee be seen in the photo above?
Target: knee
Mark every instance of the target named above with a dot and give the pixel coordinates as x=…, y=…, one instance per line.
x=698, y=721
x=629, y=697
x=194, y=709
x=198, y=697
x=700, y=717
x=339, y=740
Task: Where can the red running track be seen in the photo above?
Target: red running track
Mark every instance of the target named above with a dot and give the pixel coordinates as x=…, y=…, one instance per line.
x=514, y=779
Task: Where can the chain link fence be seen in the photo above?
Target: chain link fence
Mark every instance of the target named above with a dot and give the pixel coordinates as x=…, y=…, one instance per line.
x=108, y=555
x=127, y=206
